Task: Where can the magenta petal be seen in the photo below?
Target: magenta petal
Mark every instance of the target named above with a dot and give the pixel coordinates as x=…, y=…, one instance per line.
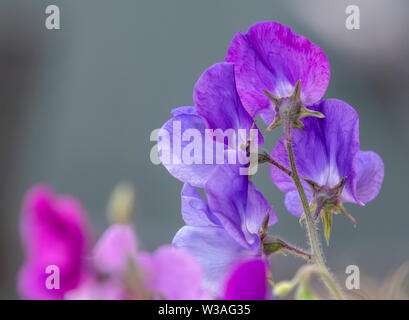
x=215, y=251
x=175, y=275
x=270, y=56
x=115, y=248
x=370, y=175
x=55, y=232
x=247, y=281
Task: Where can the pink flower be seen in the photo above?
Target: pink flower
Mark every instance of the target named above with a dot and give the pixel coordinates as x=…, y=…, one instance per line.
x=55, y=232
x=126, y=273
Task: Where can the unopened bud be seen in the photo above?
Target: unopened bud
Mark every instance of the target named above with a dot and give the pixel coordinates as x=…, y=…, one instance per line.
x=283, y=288
x=121, y=204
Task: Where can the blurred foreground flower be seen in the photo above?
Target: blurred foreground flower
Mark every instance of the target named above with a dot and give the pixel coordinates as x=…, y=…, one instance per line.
x=55, y=232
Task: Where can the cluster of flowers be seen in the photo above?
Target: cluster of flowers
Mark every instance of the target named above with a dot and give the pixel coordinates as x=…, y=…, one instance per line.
x=269, y=72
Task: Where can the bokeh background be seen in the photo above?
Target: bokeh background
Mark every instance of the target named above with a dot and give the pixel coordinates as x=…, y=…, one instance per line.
x=77, y=107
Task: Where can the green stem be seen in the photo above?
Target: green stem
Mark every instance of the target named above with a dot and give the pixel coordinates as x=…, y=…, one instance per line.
x=317, y=255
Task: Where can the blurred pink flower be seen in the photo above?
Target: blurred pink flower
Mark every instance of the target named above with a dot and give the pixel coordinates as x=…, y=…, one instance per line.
x=55, y=232
x=125, y=273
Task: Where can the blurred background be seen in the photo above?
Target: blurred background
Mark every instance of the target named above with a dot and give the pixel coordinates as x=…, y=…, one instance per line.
x=77, y=107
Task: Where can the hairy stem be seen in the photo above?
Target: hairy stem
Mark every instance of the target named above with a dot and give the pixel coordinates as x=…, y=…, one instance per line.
x=317, y=255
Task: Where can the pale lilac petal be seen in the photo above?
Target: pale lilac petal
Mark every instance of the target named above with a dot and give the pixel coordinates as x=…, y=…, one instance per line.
x=247, y=281
x=214, y=250
x=175, y=274
x=55, y=232
x=184, y=110
x=293, y=202
x=116, y=247
x=325, y=151
x=218, y=103
x=186, y=160
x=270, y=56
x=95, y=289
x=257, y=208
x=195, y=210
x=370, y=172
x=227, y=193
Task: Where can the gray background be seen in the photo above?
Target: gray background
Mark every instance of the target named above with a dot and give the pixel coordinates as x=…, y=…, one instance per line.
x=78, y=106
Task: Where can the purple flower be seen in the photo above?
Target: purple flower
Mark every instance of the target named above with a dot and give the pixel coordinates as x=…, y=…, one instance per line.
x=122, y=272
x=188, y=133
x=325, y=152
x=55, y=232
x=271, y=57
x=225, y=230
x=247, y=281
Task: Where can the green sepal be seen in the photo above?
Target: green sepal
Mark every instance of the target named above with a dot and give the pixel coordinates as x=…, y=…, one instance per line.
x=327, y=222
x=304, y=112
x=272, y=245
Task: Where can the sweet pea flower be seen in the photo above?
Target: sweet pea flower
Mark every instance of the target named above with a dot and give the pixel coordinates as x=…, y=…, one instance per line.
x=218, y=109
x=55, y=232
x=270, y=57
x=328, y=156
x=226, y=229
x=123, y=272
x=247, y=281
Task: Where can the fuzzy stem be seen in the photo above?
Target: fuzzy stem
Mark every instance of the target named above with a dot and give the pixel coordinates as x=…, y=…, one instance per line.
x=317, y=255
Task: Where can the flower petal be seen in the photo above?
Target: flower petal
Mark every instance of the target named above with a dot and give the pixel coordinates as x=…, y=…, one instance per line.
x=248, y=281
x=215, y=251
x=257, y=208
x=97, y=289
x=270, y=56
x=55, y=232
x=227, y=193
x=217, y=101
x=175, y=274
x=115, y=248
x=176, y=155
x=293, y=202
x=195, y=210
x=370, y=175
x=183, y=110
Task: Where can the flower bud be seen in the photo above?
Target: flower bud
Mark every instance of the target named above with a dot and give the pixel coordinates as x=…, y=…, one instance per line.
x=283, y=288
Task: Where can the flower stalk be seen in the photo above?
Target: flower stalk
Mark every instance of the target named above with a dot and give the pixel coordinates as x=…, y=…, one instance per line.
x=317, y=255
